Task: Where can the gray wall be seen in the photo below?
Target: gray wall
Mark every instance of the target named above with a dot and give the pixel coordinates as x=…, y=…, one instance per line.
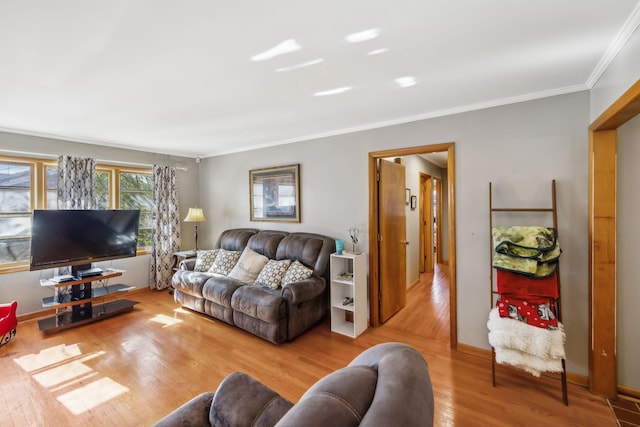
x=628, y=268
x=622, y=74
x=519, y=147
x=25, y=286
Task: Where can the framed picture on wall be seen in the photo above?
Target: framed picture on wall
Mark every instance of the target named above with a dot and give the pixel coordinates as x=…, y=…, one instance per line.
x=414, y=202
x=274, y=194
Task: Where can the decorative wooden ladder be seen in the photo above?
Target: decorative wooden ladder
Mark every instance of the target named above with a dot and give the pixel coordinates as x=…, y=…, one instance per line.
x=554, y=211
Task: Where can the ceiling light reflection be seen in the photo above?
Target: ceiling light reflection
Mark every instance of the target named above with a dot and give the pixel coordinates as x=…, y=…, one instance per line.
x=377, y=51
x=405, y=81
x=286, y=46
x=363, y=36
x=335, y=91
x=301, y=65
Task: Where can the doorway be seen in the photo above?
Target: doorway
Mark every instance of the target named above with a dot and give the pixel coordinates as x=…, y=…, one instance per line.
x=374, y=253
x=431, y=250
x=426, y=228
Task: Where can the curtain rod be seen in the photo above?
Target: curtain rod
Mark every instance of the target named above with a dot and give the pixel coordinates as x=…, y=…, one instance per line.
x=117, y=162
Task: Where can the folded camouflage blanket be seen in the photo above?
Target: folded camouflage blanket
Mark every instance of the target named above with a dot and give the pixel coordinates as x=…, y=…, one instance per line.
x=529, y=250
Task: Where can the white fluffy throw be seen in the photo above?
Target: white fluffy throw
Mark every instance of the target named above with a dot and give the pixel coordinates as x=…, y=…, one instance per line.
x=532, y=349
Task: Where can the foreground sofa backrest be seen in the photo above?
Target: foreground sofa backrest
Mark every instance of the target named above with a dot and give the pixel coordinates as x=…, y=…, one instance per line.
x=386, y=385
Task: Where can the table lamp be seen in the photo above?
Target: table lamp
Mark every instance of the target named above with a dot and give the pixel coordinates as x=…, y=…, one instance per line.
x=195, y=215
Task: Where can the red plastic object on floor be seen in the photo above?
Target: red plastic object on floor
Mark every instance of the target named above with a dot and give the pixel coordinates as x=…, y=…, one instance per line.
x=8, y=322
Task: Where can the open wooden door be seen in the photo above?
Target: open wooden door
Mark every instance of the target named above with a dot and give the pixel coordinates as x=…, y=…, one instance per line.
x=436, y=216
x=426, y=222
x=392, y=240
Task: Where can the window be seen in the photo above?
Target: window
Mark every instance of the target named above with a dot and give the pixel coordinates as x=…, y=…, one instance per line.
x=16, y=205
x=27, y=184
x=136, y=192
x=103, y=188
x=51, y=196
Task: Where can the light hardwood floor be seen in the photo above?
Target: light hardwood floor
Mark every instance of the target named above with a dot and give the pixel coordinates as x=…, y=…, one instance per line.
x=133, y=369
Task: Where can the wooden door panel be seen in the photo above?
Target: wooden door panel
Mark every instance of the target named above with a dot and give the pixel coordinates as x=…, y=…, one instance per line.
x=392, y=244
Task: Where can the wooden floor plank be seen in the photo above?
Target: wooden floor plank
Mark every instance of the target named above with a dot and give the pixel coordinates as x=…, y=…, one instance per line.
x=134, y=368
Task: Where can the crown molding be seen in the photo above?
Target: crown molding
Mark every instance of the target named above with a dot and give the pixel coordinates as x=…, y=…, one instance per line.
x=621, y=39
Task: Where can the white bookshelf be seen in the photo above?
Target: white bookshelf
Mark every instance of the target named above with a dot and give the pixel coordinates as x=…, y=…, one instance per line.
x=349, y=280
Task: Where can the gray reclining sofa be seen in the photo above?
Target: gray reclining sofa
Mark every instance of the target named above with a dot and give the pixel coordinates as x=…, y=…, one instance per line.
x=277, y=315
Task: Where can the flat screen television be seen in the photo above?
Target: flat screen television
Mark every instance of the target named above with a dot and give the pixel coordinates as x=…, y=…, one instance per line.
x=78, y=238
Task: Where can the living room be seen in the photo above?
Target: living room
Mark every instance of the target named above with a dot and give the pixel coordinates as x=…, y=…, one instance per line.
x=514, y=145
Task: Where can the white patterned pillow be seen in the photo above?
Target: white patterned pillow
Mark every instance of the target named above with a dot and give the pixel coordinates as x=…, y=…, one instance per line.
x=205, y=259
x=248, y=266
x=272, y=273
x=225, y=261
x=296, y=272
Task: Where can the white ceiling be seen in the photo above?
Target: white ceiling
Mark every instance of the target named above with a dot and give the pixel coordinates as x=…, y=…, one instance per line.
x=177, y=76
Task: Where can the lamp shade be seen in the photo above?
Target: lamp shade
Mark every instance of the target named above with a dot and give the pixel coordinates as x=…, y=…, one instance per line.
x=195, y=215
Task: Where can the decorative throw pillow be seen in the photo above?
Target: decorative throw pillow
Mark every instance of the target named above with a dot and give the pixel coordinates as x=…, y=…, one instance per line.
x=296, y=272
x=272, y=273
x=248, y=266
x=225, y=260
x=205, y=259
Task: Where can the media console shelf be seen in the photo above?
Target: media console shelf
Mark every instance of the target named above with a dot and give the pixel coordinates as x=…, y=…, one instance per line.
x=75, y=301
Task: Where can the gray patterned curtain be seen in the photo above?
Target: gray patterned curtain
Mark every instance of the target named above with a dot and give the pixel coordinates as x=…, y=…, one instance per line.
x=76, y=183
x=165, y=234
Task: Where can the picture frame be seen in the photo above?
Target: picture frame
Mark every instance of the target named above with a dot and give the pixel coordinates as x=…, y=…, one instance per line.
x=274, y=194
x=414, y=202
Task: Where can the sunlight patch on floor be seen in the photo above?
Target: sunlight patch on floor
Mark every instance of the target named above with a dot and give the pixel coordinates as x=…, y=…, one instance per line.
x=62, y=367
x=165, y=320
x=66, y=372
x=48, y=356
x=82, y=399
x=61, y=374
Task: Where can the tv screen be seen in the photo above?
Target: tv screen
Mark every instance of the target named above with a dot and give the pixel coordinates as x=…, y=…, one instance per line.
x=79, y=237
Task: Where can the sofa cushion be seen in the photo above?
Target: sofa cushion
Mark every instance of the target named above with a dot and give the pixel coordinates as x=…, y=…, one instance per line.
x=190, y=282
x=272, y=273
x=220, y=289
x=296, y=273
x=340, y=399
x=235, y=239
x=205, y=259
x=224, y=262
x=248, y=266
x=266, y=242
x=242, y=401
x=312, y=250
x=259, y=303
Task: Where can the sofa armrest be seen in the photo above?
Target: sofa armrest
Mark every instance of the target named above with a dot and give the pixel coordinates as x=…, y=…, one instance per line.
x=304, y=290
x=193, y=413
x=243, y=401
x=187, y=264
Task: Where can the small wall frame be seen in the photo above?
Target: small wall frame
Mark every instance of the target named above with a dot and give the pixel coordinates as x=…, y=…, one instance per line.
x=274, y=194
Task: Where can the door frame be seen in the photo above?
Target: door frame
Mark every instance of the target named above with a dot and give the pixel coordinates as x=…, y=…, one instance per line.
x=374, y=267
x=603, y=139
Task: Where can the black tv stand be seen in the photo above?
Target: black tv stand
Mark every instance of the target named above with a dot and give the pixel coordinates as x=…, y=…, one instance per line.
x=77, y=303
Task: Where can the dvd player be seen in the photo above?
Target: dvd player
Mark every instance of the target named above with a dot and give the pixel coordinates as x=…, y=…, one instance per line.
x=63, y=278
x=89, y=272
